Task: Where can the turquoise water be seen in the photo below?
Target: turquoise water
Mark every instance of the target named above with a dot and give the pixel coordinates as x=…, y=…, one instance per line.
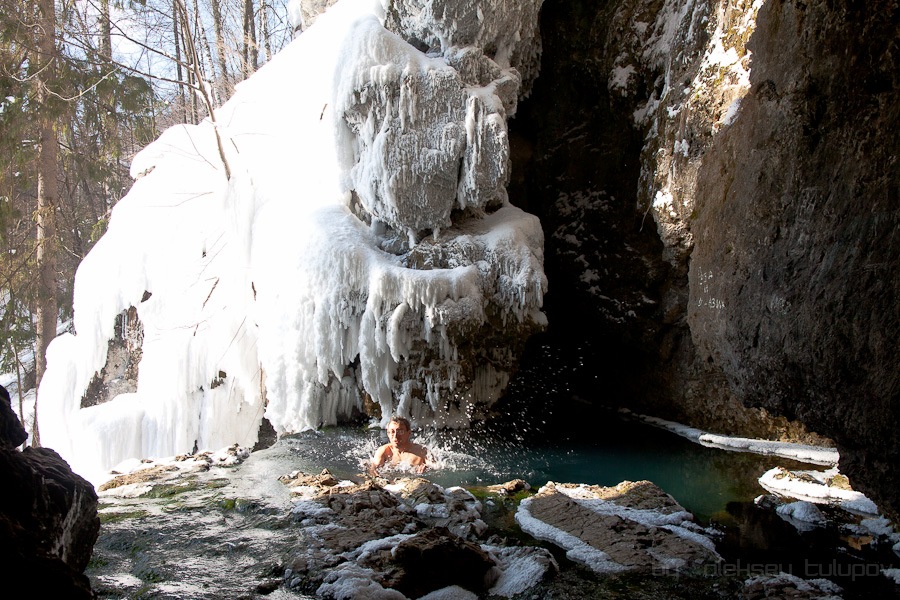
x=703, y=480
x=717, y=486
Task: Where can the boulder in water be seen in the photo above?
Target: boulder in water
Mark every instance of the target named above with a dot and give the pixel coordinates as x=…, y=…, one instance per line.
x=630, y=526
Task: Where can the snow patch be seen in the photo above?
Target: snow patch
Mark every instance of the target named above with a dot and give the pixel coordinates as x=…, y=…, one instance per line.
x=803, y=452
x=576, y=550
x=813, y=488
x=805, y=516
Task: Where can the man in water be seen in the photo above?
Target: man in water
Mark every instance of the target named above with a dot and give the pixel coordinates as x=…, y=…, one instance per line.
x=400, y=451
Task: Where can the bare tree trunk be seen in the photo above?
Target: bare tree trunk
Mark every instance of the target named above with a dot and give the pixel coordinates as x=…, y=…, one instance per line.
x=176, y=36
x=250, y=53
x=195, y=70
x=220, y=49
x=207, y=55
x=105, y=31
x=110, y=119
x=47, y=312
x=264, y=28
x=193, y=59
x=152, y=104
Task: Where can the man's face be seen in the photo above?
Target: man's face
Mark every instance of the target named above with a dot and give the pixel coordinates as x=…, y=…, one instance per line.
x=398, y=434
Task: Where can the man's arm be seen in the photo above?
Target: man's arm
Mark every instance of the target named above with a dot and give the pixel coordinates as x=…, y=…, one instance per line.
x=378, y=459
x=419, y=466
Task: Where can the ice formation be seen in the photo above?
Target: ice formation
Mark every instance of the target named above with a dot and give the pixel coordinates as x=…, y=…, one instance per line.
x=362, y=253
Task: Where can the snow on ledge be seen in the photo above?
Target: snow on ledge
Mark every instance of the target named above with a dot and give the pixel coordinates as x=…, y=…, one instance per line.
x=819, y=455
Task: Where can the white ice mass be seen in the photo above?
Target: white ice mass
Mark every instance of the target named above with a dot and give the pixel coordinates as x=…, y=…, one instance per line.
x=362, y=253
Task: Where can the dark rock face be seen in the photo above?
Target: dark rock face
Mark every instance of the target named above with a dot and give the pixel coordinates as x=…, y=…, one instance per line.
x=12, y=433
x=797, y=225
x=48, y=516
x=721, y=228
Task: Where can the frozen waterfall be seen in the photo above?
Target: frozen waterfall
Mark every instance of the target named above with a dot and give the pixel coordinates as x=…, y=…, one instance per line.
x=363, y=259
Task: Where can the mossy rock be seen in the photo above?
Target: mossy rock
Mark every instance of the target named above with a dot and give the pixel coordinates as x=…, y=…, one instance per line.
x=499, y=512
x=241, y=505
x=116, y=516
x=168, y=490
x=839, y=481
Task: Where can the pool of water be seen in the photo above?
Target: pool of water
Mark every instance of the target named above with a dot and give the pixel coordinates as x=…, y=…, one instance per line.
x=604, y=448
x=703, y=480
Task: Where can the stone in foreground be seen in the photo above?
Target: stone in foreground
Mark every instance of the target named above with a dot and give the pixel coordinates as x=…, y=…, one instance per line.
x=631, y=526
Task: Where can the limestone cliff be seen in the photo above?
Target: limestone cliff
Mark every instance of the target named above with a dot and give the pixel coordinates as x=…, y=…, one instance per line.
x=718, y=186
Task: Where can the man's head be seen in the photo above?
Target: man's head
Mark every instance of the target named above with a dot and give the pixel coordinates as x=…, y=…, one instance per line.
x=398, y=432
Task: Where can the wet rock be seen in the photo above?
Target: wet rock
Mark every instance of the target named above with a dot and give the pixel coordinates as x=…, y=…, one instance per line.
x=142, y=476
x=520, y=567
x=632, y=526
x=336, y=520
x=268, y=586
x=438, y=563
x=453, y=592
x=153, y=476
x=409, y=535
x=816, y=486
x=349, y=580
x=804, y=516
x=119, y=374
x=298, y=479
x=802, y=263
x=785, y=585
x=454, y=508
x=359, y=514
x=510, y=487
x=48, y=516
x=435, y=559
x=767, y=501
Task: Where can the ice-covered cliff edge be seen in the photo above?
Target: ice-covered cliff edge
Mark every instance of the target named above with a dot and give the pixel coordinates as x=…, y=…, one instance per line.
x=363, y=250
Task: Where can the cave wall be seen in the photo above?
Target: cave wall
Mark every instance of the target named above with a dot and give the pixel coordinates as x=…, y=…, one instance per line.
x=797, y=231
x=718, y=184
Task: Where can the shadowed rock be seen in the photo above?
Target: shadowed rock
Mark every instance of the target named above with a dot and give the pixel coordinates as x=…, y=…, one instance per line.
x=48, y=516
x=435, y=559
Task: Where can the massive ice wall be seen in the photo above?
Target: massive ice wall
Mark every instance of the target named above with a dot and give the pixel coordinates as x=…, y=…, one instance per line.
x=362, y=258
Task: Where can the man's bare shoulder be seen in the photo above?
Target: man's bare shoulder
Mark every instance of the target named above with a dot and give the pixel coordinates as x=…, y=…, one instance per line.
x=381, y=453
x=418, y=450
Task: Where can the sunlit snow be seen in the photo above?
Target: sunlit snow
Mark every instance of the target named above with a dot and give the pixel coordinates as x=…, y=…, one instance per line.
x=364, y=235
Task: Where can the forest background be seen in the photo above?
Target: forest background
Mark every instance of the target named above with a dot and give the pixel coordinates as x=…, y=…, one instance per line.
x=84, y=85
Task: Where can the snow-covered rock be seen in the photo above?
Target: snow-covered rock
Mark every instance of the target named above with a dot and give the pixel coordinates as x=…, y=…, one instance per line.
x=630, y=526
